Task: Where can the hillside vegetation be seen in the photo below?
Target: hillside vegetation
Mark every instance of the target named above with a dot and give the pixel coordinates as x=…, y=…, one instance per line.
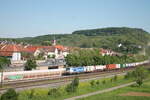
x=132, y=39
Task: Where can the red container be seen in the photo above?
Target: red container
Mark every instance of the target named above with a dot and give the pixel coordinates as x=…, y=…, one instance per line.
x=111, y=66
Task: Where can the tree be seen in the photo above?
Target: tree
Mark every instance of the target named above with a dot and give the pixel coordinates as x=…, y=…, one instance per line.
x=72, y=87
x=46, y=43
x=30, y=64
x=127, y=76
x=4, y=62
x=140, y=74
x=10, y=94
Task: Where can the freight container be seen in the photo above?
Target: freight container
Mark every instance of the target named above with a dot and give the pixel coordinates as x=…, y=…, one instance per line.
x=130, y=65
x=110, y=66
x=122, y=65
x=89, y=68
x=117, y=65
x=127, y=65
x=100, y=67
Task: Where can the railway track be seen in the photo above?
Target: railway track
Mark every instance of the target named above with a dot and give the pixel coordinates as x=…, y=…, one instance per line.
x=60, y=82
x=63, y=79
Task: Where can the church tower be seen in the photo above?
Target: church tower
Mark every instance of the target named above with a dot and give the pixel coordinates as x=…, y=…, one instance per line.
x=54, y=41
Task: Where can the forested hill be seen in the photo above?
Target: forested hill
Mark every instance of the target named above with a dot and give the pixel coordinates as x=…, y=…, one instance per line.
x=132, y=39
x=110, y=31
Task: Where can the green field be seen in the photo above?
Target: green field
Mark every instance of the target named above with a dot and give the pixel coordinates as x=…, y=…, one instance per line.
x=115, y=95
x=84, y=87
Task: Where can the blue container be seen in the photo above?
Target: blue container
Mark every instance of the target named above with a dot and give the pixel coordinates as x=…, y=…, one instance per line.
x=78, y=69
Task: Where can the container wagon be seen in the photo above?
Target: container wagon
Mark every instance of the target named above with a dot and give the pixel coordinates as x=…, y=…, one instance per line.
x=28, y=75
x=111, y=66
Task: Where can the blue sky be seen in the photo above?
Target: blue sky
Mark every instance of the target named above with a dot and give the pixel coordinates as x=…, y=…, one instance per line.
x=22, y=18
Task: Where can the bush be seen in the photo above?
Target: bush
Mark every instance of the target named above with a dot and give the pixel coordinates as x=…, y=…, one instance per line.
x=10, y=94
x=115, y=78
x=92, y=83
x=30, y=64
x=31, y=95
x=103, y=82
x=111, y=80
x=127, y=76
x=54, y=92
x=139, y=81
x=97, y=82
x=72, y=87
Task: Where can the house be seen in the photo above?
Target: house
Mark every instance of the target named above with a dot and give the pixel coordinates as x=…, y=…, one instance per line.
x=14, y=51
x=11, y=51
x=35, y=50
x=57, y=51
x=109, y=52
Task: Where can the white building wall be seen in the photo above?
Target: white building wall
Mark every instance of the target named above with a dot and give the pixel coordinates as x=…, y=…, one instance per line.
x=51, y=53
x=16, y=56
x=37, y=52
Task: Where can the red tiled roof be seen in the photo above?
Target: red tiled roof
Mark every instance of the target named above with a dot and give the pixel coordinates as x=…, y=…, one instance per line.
x=11, y=48
x=32, y=49
x=60, y=47
x=7, y=50
x=49, y=49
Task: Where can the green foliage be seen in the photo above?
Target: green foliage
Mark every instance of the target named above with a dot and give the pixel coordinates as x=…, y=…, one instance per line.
x=32, y=93
x=140, y=74
x=104, y=82
x=111, y=80
x=72, y=87
x=139, y=81
x=93, y=57
x=118, y=94
x=127, y=76
x=54, y=92
x=46, y=43
x=92, y=83
x=10, y=94
x=115, y=78
x=30, y=64
x=4, y=62
x=97, y=82
x=40, y=56
x=108, y=31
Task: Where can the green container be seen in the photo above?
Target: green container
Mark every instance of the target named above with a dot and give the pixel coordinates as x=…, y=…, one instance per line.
x=122, y=65
x=15, y=77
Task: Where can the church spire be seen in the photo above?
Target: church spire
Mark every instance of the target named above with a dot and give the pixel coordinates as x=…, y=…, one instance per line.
x=54, y=41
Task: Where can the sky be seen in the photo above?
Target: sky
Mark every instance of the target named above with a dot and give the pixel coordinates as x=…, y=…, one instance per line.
x=28, y=18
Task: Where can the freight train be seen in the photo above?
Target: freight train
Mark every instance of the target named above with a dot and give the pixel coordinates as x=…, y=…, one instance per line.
x=55, y=73
x=82, y=69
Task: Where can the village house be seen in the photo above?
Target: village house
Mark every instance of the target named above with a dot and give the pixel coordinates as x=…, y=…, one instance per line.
x=11, y=51
x=14, y=51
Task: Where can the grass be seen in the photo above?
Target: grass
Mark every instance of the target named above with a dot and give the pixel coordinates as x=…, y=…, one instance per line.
x=84, y=87
x=114, y=95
